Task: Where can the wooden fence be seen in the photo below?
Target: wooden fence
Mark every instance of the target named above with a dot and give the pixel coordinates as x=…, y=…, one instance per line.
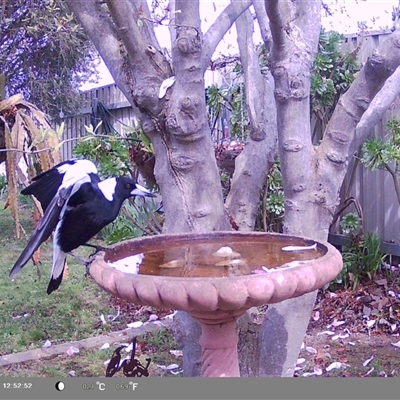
x=373, y=190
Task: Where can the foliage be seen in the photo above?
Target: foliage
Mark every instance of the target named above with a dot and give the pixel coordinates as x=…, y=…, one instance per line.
x=378, y=152
x=26, y=130
x=333, y=72
x=110, y=153
x=362, y=256
x=350, y=224
x=44, y=54
x=3, y=186
x=384, y=153
x=229, y=102
x=272, y=205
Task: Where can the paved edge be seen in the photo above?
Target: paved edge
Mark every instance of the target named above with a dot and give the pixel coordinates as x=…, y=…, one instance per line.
x=89, y=343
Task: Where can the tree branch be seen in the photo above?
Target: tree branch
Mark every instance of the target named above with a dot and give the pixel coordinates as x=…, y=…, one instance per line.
x=221, y=25
x=143, y=12
x=125, y=18
x=379, y=105
x=187, y=13
x=263, y=22
x=104, y=38
x=339, y=137
x=261, y=147
x=276, y=24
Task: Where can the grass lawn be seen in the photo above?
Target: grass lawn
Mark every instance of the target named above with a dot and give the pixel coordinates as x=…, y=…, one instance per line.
x=29, y=316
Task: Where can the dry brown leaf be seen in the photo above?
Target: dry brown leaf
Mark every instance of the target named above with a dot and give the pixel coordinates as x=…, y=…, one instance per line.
x=10, y=102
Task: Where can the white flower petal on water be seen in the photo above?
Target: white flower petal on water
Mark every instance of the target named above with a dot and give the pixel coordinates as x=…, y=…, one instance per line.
x=105, y=346
x=299, y=248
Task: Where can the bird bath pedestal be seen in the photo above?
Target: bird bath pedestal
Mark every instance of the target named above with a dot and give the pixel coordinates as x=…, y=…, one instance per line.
x=197, y=273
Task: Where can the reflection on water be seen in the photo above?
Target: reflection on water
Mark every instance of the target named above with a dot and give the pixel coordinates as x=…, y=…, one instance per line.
x=218, y=257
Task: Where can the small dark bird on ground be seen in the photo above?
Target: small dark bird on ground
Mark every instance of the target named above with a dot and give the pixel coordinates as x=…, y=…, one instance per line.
x=76, y=206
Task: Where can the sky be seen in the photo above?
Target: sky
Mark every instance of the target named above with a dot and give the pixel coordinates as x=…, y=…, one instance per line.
x=348, y=15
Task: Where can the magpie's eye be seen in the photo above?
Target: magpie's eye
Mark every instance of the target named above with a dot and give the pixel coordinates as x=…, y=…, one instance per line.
x=128, y=186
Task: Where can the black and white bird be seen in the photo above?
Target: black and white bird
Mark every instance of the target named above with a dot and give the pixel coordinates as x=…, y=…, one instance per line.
x=76, y=206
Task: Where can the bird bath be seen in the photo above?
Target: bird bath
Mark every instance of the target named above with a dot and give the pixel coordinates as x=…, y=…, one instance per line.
x=190, y=272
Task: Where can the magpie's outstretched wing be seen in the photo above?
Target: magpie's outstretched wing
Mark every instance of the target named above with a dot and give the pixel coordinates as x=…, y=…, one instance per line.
x=46, y=185
x=44, y=229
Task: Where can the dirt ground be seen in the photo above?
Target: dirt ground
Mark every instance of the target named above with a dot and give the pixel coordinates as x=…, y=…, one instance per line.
x=354, y=333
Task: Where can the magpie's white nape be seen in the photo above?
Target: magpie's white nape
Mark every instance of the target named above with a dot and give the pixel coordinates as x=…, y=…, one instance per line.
x=76, y=205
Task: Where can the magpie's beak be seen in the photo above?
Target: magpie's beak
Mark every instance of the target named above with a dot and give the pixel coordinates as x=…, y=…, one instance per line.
x=141, y=191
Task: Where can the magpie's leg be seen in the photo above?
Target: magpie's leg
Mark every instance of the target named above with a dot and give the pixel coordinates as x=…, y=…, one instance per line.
x=84, y=261
x=97, y=248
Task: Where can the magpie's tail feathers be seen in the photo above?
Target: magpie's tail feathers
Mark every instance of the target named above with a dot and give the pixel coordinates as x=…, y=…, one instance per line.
x=54, y=284
x=59, y=258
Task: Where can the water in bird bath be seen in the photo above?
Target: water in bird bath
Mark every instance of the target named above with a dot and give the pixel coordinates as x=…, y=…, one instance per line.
x=218, y=257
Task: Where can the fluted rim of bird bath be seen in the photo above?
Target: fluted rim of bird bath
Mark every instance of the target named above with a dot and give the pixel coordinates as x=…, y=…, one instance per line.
x=215, y=295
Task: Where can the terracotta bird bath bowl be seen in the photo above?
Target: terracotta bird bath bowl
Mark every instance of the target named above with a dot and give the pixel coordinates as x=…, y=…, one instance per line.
x=215, y=277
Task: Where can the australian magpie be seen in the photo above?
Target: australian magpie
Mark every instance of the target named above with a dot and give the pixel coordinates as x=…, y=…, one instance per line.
x=76, y=205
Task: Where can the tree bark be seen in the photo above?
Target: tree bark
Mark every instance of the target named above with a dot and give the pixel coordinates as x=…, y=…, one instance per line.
x=252, y=165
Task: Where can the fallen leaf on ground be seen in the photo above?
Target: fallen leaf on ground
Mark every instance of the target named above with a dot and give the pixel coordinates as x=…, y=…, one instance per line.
x=334, y=365
x=311, y=350
x=326, y=333
x=366, y=362
x=72, y=350
x=176, y=353
x=168, y=367
x=135, y=324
